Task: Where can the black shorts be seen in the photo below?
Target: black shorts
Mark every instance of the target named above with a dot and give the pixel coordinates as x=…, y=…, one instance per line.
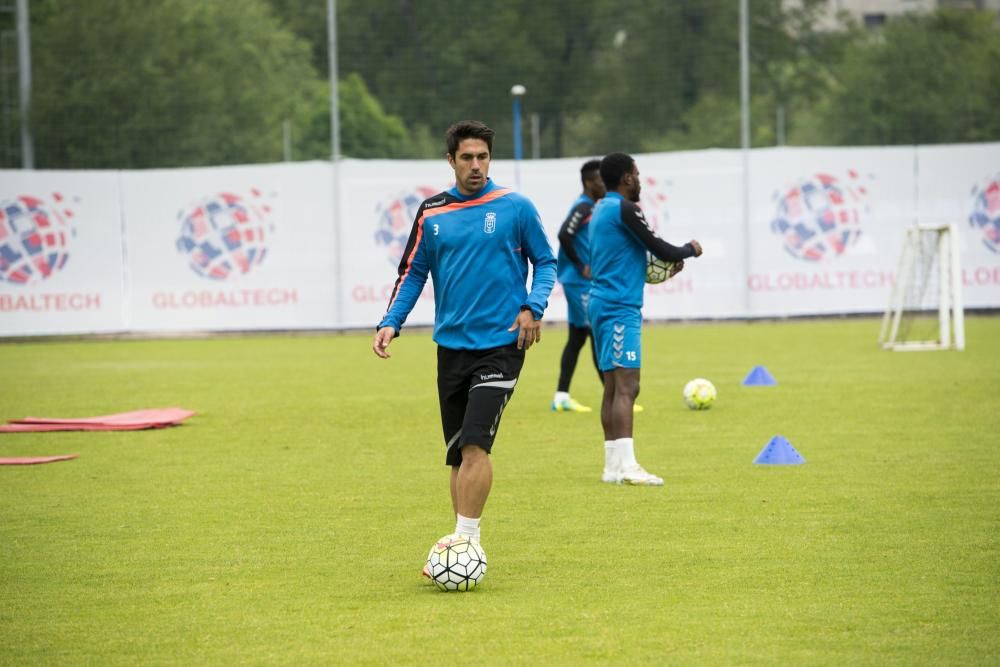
x=474, y=387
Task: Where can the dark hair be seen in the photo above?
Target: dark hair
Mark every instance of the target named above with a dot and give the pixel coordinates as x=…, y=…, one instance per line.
x=468, y=129
x=589, y=167
x=613, y=167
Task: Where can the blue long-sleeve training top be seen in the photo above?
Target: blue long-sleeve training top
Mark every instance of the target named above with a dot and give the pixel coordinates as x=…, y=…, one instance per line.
x=476, y=250
x=574, y=243
x=619, y=239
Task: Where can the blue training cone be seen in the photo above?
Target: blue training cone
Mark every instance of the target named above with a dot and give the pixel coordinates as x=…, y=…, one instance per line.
x=779, y=452
x=759, y=377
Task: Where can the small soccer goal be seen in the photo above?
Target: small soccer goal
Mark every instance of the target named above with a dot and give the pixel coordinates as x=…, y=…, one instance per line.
x=925, y=307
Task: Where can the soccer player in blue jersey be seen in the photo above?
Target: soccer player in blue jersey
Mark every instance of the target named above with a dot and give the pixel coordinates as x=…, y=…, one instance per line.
x=619, y=240
x=573, y=271
x=476, y=242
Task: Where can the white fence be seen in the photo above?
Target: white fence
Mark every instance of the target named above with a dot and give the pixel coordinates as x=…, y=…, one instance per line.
x=287, y=246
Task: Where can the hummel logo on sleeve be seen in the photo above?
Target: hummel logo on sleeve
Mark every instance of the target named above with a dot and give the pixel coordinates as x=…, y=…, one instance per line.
x=574, y=222
x=642, y=218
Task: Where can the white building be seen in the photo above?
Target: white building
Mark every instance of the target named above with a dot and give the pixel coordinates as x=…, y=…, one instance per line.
x=873, y=13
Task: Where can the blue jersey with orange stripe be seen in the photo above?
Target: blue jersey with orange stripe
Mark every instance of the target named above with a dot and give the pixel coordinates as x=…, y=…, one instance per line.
x=476, y=250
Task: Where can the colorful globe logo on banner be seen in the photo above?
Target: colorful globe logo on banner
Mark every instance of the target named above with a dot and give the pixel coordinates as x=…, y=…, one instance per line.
x=394, y=219
x=34, y=238
x=985, y=214
x=820, y=217
x=225, y=235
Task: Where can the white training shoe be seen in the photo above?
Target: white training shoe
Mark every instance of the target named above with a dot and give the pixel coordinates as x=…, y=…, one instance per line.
x=611, y=476
x=637, y=476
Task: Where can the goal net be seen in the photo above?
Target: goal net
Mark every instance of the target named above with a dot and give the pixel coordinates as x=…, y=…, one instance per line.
x=925, y=307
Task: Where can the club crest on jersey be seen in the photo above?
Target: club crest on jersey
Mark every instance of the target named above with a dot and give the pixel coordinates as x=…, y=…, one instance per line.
x=490, y=222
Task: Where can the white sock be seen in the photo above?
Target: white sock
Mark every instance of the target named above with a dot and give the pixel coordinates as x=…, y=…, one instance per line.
x=560, y=397
x=626, y=452
x=467, y=526
x=611, y=460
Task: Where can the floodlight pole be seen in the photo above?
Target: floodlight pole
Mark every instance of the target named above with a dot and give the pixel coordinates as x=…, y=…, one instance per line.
x=517, y=91
x=24, y=84
x=331, y=34
x=745, y=143
x=338, y=253
x=536, y=142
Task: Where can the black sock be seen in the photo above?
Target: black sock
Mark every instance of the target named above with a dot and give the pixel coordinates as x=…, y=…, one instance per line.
x=575, y=342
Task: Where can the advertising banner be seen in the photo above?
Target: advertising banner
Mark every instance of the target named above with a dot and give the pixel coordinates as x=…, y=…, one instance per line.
x=315, y=245
x=230, y=248
x=961, y=185
x=826, y=227
x=61, y=268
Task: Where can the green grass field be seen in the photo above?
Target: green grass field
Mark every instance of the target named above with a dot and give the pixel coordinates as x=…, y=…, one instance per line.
x=287, y=522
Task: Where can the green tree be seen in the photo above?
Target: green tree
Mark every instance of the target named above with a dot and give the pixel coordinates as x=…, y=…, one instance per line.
x=432, y=65
x=656, y=60
x=366, y=130
x=922, y=79
x=789, y=71
x=170, y=83
x=192, y=82
x=308, y=20
x=602, y=75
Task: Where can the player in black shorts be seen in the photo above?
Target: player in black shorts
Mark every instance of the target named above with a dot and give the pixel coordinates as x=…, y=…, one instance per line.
x=477, y=241
x=474, y=387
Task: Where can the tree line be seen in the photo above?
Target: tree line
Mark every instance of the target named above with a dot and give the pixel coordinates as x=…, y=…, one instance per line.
x=200, y=82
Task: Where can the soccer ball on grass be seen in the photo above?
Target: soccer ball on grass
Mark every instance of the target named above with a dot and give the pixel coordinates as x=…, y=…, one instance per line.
x=456, y=563
x=699, y=394
x=658, y=270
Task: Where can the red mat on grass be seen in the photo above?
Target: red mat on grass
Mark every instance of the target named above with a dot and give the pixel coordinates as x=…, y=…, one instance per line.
x=31, y=460
x=42, y=427
x=122, y=421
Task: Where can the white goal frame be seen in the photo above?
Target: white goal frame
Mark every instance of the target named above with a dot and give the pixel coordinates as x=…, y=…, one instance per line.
x=951, y=313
